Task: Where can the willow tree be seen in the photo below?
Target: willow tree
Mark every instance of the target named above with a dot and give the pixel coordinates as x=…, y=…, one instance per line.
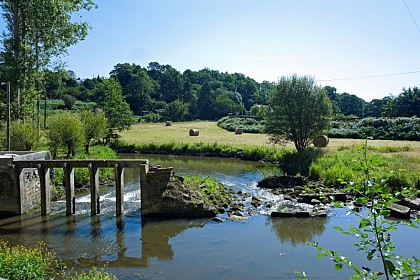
x=299, y=111
x=38, y=33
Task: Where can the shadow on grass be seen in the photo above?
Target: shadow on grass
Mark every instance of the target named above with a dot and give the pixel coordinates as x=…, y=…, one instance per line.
x=295, y=162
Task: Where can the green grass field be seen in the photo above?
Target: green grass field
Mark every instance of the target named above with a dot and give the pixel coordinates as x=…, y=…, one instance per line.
x=336, y=161
x=158, y=133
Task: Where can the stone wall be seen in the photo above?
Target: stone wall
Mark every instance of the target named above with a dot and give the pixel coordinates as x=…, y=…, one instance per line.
x=153, y=183
x=23, y=194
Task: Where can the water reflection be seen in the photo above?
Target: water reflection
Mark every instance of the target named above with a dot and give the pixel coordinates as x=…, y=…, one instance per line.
x=298, y=230
x=155, y=236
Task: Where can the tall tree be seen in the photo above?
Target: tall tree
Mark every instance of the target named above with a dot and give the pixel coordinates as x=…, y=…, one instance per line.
x=116, y=109
x=407, y=103
x=350, y=104
x=136, y=84
x=300, y=111
x=37, y=33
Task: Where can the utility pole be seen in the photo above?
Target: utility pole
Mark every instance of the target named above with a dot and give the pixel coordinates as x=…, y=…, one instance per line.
x=8, y=117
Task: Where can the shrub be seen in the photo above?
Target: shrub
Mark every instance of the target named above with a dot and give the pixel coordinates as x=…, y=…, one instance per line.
x=23, y=137
x=378, y=128
x=19, y=262
x=248, y=125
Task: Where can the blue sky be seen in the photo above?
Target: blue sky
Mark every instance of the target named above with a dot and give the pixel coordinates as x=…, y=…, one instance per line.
x=263, y=39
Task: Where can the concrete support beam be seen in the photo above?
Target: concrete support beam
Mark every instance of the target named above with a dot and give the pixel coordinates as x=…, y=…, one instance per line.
x=119, y=189
x=44, y=178
x=69, y=188
x=94, y=189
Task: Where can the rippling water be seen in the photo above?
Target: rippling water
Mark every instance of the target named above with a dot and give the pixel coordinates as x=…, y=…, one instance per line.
x=260, y=248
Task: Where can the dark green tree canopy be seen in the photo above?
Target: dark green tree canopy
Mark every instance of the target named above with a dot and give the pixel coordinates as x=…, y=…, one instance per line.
x=299, y=111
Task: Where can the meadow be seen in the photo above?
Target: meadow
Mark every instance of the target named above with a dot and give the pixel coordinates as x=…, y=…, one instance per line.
x=334, y=163
x=158, y=133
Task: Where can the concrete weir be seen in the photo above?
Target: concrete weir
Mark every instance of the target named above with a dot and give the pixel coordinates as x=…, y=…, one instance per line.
x=25, y=181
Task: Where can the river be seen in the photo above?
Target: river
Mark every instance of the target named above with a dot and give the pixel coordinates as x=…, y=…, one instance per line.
x=260, y=247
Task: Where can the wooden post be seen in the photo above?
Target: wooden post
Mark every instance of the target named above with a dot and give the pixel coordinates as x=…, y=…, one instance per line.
x=94, y=189
x=69, y=188
x=119, y=189
x=44, y=178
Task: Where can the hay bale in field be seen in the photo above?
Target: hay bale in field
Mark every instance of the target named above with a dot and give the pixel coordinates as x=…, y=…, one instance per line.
x=194, y=132
x=168, y=123
x=321, y=141
x=239, y=130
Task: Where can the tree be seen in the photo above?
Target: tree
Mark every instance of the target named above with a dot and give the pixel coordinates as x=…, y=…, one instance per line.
x=95, y=126
x=65, y=130
x=136, y=85
x=299, y=111
x=407, y=103
x=228, y=102
x=23, y=137
x=350, y=104
x=116, y=109
x=37, y=33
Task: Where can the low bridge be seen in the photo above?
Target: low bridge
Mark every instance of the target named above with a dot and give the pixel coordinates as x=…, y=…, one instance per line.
x=25, y=182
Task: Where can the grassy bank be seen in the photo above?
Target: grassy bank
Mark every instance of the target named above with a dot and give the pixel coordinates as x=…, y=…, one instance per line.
x=337, y=161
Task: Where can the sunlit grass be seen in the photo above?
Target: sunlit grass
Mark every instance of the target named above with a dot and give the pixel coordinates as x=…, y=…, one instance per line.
x=335, y=161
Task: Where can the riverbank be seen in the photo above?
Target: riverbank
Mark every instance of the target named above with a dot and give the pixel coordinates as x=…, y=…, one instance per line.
x=333, y=164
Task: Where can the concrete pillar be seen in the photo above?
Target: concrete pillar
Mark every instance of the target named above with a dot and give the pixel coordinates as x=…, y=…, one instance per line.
x=119, y=189
x=144, y=169
x=94, y=189
x=44, y=178
x=69, y=188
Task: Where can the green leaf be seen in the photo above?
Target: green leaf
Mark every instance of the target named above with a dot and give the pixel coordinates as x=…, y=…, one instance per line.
x=390, y=266
x=338, y=228
x=338, y=266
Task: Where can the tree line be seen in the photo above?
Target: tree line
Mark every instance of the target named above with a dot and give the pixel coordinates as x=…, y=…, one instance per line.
x=164, y=93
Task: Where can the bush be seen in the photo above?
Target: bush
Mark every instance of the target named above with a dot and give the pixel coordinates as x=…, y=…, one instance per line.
x=248, y=125
x=19, y=262
x=378, y=128
x=39, y=263
x=65, y=131
x=23, y=137
x=151, y=118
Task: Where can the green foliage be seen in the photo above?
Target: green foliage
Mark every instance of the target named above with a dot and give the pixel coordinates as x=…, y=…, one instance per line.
x=81, y=175
x=342, y=167
x=299, y=111
x=66, y=131
x=93, y=274
x=116, y=109
x=255, y=153
x=39, y=263
x=249, y=125
x=69, y=101
x=373, y=233
x=34, y=41
x=299, y=162
x=23, y=137
x=152, y=118
x=378, y=128
x=176, y=110
x=21, y=263
x=259, y=110
x=213, y=192
x=95, y=126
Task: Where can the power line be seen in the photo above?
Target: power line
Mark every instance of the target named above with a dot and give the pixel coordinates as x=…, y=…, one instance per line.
x=369, y=77
x=411, y=15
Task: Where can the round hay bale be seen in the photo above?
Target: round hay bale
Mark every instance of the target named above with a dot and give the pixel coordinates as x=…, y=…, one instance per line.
x=239, y=130
x=194, y=132
x=321, y=141
x=168, y=123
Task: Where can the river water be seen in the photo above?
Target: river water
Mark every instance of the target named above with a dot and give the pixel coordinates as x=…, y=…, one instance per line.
x=259, y=247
